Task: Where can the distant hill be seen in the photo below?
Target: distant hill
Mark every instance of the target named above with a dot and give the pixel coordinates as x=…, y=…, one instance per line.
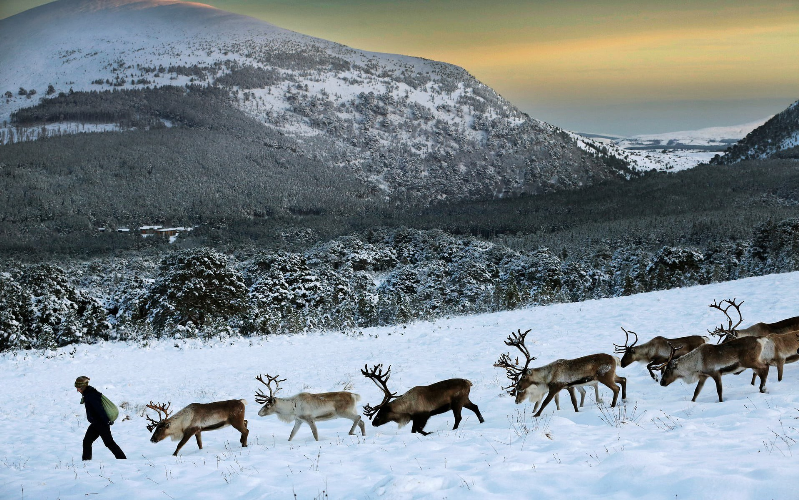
x=777, y=138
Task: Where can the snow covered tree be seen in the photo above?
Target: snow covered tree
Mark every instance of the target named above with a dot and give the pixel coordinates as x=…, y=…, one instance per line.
x=196, y=286
x=16, y=312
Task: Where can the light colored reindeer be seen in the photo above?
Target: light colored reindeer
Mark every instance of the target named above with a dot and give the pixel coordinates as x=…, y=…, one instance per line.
x=710, y=360
x=532, y=383
x=195, y=418
x=307, y=407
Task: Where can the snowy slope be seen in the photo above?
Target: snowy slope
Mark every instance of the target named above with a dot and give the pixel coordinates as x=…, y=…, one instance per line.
x=659, y=446
x=776, y=138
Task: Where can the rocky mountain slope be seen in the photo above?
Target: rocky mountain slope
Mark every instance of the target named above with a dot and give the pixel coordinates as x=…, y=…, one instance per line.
x=405, y=128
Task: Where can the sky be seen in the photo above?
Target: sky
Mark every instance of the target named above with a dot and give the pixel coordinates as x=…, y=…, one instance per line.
x=615, y=67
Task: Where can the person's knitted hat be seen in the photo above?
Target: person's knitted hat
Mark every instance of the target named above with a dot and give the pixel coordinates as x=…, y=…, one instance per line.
x=81, y=381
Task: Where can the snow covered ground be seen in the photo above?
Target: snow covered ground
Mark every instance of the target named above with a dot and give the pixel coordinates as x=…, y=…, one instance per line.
x=659, y=445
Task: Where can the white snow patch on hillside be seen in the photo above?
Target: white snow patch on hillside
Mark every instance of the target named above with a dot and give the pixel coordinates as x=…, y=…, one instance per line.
x=659, y=445
x=711, y=136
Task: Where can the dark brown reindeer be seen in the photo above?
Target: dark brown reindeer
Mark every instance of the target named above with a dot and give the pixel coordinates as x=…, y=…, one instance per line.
x=656, y=351
x=560, y=374
x=782, y=334
x=419, y=403
x=307, y=407
x=195, y=418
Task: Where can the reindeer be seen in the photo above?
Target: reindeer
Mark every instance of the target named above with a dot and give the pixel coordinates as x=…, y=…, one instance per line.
x=756, y=330
x=307, y=407
x=514, y=373
x=783, y=334
x=656, y=351
x=419, y=403
x=711, y=360
x=195, y=418
x=532, y=383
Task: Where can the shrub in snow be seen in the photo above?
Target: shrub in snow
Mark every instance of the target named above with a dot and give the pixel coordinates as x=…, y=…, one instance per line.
x=673, y=267
x=61, y=314
x=196, y=286
x=16, y=312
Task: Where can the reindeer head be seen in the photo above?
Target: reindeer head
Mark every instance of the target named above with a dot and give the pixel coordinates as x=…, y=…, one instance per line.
x=627, y=350
x=730, y=332
x=160, y=426
x=381, y=413
x=263, y=399
x=516, y=373
x=668, y=369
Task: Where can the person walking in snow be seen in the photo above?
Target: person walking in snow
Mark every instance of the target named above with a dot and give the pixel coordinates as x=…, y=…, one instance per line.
x=99, y=423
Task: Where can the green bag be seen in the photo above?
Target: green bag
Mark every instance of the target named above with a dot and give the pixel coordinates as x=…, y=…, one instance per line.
x=110, y=408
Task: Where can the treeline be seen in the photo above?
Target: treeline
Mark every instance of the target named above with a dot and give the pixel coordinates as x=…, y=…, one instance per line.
x=381, y=277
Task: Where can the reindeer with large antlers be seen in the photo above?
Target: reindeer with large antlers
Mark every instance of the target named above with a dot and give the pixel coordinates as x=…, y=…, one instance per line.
x=419, y=403
x=782, y=334
x=307, y=407
x=195, y=418
x=656, y=351
x=514, y=372
x=532, y=383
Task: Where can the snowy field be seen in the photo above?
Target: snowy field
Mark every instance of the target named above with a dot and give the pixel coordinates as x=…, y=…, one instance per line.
x=659, y=445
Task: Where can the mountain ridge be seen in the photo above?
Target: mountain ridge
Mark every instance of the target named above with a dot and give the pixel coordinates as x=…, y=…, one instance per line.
x=395, y=121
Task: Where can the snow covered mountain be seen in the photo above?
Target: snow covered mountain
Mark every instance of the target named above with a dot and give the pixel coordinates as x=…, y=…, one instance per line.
x=407, y=126
x=776, y=138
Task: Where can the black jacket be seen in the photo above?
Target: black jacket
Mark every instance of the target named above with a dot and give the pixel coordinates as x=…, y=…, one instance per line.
x=95, y=413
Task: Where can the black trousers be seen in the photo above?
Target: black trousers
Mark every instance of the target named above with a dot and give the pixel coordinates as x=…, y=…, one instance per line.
x=102, y=431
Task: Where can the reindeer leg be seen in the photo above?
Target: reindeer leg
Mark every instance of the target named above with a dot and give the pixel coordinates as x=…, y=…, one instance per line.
x=187, y=434
x=582, y=396
x=763, y=376
x=780, y=365
x=473, y=407
x=199, y=440
x=754, y=376
x=537, y=404
x=552, y=392
x=699, y=385
x=297, y=424
x=419, y=421
x=557, y=401
x=622, y=381
x=456, y=412
x=241, y=426
x=612, y=386
x=717, y=380
x=312, y=424
x=596, y=393
x=573, y=398
x=651, y=372
x=356, y=419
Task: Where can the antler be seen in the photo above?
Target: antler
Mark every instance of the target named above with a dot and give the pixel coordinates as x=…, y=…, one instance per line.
x=621, y=349
x=159, y=408
x=512, y=369
x=262, y=398
x=381, y=380
x=674, y=349
x=730, y=331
